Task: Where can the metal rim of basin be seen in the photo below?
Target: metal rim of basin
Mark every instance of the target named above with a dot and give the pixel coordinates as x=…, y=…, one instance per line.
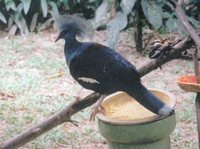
x=171, y=104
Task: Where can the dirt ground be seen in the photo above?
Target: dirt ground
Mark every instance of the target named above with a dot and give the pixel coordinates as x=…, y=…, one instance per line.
x=63, y=89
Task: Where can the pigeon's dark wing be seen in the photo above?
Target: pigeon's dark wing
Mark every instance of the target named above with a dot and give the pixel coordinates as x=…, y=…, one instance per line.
x=102, y=69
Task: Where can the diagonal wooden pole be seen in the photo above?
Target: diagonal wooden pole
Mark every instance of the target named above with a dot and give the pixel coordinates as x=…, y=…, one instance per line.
x=194, y=35
x=196, y=66
x=56, y=119
x=197, y=106
x=197, y=101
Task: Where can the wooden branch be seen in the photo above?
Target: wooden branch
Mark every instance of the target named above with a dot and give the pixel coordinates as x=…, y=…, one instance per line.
x=186, y=24
x=175, y=53
x=197, y=107
x=196, y=66
x=78, y=105
x=51, y=122
x=194, y=35
x=186, y=57
x=113, y=9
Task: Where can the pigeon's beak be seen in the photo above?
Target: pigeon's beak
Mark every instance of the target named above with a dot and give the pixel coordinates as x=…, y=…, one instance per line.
x=59, y=36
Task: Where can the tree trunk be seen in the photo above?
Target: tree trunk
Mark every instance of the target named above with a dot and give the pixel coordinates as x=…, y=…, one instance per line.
x=138, y=26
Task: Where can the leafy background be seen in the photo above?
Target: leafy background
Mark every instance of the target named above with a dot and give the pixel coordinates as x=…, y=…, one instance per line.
x=26, y=16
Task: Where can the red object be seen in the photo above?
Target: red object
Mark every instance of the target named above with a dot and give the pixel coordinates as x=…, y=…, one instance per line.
x=188, y=79
x=188, y=83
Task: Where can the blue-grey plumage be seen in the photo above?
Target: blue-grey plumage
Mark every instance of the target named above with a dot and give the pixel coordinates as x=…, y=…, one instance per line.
x=102, y=69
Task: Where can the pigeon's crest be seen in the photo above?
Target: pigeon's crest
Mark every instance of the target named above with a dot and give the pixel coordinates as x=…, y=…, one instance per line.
x=79, y=26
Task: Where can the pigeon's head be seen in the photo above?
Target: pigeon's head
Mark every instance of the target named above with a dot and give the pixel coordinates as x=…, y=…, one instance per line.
x=72, y=26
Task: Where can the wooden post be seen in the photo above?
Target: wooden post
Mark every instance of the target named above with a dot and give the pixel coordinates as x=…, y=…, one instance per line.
x=197, y=101
x=197, y=105
x=196, y=66
x=138, y=26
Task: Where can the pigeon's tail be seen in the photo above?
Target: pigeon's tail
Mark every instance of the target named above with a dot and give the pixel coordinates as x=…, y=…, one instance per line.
x=150, y=101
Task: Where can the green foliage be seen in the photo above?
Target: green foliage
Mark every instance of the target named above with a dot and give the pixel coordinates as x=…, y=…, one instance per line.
x=156, y=14
x=2, y=18
x=100, y=13
x=153, y=13
x=114, y=27
x=21, y=13
x=44, y=7
x=26, y=5
x=118, y=23
x=37, y=15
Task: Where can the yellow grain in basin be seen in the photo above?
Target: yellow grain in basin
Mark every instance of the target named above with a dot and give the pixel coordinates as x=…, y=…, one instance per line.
x=126, y=110
x=123, y=107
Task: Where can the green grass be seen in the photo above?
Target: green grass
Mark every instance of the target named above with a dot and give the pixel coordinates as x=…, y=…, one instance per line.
x=25, y=70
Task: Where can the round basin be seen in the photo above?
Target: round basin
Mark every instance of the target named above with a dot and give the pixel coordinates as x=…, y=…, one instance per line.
x=188, y=83
x=138, y=129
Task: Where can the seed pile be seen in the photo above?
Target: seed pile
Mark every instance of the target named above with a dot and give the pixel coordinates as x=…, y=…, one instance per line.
x=125, y=108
